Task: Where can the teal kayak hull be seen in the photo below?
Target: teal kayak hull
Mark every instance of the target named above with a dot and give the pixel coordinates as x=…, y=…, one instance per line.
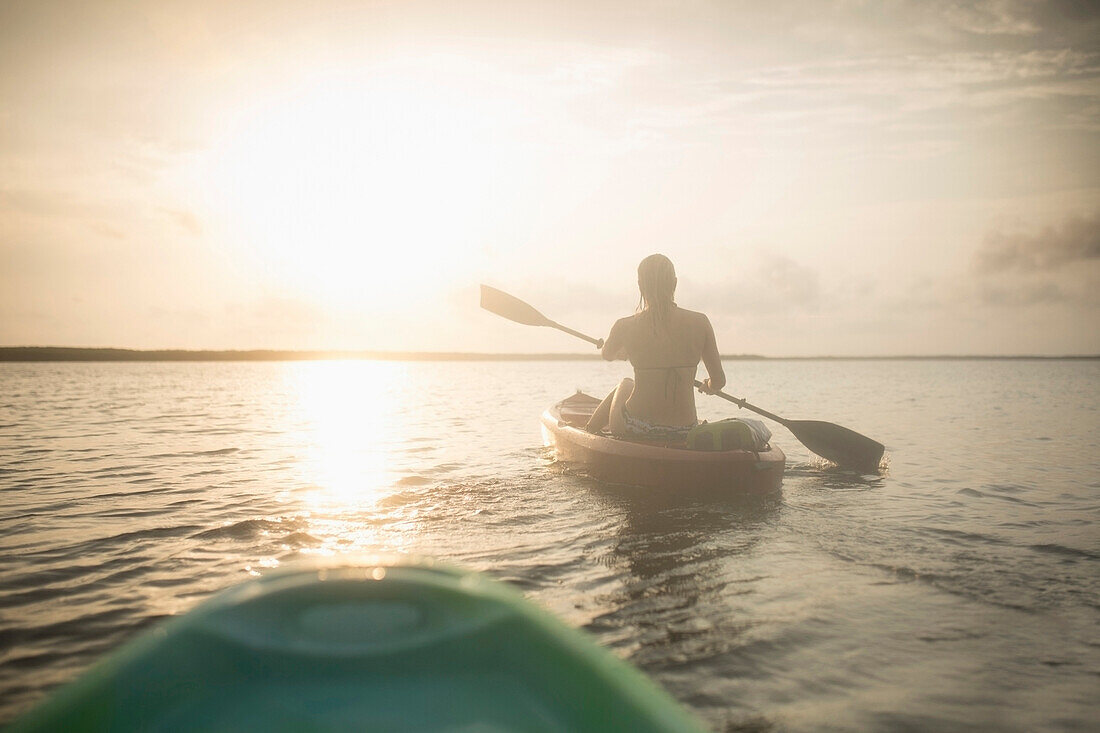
x=382, y=645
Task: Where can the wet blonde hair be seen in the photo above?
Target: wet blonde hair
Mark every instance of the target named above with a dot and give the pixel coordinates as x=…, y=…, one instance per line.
x=657, y=284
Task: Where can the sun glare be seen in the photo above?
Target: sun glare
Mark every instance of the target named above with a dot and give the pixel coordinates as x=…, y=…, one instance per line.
x=359, y=189
x=348, y=417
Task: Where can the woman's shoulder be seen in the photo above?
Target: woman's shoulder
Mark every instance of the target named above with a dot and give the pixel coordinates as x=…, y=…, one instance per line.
x=626, y=321
x=625, y=328
x=695, y=318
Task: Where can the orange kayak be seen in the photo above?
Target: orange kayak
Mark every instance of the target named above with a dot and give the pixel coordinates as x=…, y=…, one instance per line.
x=657, y=464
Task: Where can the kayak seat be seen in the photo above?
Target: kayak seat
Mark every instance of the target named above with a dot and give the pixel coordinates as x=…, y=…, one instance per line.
x=577, y=409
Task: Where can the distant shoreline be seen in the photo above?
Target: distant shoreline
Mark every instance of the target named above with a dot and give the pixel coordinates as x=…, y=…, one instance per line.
x=60, y=353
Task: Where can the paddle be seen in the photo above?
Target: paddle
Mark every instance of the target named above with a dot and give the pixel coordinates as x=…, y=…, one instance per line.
x=842, y=446
x=514, y=309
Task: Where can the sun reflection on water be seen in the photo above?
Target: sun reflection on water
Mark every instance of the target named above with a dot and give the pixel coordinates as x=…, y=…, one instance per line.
x=349, y=415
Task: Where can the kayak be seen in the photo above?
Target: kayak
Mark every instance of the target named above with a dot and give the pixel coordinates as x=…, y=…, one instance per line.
x=657, y=464
x=390, y=645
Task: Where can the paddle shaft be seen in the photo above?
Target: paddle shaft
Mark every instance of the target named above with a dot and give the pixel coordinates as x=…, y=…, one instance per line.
x=740, y=402
x=598, y=343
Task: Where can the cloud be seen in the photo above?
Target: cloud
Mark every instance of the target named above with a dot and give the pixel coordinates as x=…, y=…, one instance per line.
x=38, y=202
x=106, y=230
x=276, y=310
x=775, y=285
x=187, y=221
x=791, y=282
x=890, y=89
x=991, y=17
x=1040, y=293
x=1076, y=240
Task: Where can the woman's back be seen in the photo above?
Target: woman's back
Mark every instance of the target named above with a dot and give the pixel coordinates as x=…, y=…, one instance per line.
x=664, y=343
x=665, y=356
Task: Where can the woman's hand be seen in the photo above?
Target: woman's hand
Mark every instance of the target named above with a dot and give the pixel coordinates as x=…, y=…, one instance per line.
x=711, y=385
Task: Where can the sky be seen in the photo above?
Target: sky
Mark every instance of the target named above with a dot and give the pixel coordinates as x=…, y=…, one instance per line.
x=830, y=178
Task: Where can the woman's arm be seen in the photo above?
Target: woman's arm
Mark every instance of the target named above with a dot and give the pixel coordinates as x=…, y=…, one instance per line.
x=615, y=345
x=716, y=376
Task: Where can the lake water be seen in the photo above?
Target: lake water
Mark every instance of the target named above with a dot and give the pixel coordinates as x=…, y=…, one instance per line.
x=958, y=590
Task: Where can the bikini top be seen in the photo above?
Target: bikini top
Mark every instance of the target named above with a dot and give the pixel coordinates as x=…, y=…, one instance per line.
x=672, y=377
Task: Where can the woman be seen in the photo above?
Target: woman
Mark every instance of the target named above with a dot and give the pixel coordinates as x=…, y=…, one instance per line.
x=664, y=343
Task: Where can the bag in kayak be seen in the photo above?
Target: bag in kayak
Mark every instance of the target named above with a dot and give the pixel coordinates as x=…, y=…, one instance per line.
x=734, y=433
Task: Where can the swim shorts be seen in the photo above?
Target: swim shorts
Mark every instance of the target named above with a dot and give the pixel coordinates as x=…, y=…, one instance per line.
x=651, y=430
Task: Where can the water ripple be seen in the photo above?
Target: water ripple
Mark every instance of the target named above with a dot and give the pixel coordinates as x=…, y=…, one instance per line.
x=955, y=590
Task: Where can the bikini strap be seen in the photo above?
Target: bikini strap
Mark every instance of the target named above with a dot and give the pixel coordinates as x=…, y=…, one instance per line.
x=672, y=377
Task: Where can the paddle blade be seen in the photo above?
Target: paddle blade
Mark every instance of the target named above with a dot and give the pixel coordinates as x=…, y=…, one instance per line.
x=511, y=307
x=846, y=448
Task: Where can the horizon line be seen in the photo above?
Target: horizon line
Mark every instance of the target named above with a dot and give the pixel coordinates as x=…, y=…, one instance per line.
x=114, y=354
